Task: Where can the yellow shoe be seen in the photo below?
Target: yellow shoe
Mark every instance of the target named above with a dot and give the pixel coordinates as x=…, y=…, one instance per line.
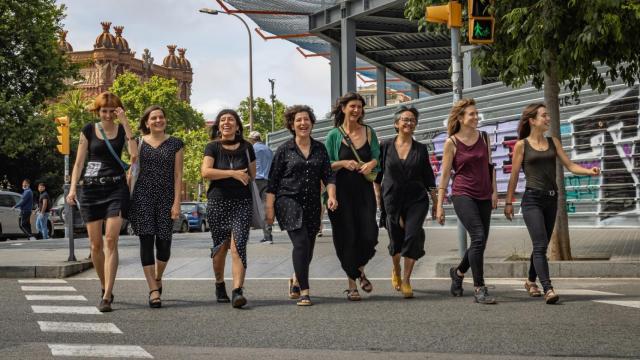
x=407, y=291
x=395, y=280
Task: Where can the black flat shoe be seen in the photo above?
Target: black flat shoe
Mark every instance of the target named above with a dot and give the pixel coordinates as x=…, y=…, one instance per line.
x=104, y=306
x=221, y=293
x=156, y=302
x=237, y=299
x=102, y=295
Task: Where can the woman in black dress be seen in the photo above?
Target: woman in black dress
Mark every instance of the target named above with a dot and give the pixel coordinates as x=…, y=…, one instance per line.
x=298, y=167
x=105, y=195
x=230, y=163
x=355, y=232
x=407, y=180
x=156, y=197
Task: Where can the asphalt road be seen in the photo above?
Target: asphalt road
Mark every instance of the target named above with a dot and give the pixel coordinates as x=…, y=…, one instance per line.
x=432, y=326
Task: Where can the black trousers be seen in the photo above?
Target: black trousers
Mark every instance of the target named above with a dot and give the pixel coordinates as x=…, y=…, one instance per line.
x=539, y=213
x=25, y=223
x=303, y=240
x=475, y=216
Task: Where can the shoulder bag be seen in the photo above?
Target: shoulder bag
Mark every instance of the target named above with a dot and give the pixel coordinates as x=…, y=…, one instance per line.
x=257, y=213
x=373, y=174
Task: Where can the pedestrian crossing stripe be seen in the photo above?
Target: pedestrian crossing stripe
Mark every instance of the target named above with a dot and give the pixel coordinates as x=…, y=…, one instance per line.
x=55, y=298
x=78, y=327
x=627, y=303
x=48, y=288
x=42, y=281
x=581, y=292
x=112, y=351
x=79, y=310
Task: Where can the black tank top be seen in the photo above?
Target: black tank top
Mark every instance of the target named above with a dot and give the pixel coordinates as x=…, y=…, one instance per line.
x=540, y=166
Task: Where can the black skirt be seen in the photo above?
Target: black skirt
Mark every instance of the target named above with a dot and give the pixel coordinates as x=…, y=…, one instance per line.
x=99, y=202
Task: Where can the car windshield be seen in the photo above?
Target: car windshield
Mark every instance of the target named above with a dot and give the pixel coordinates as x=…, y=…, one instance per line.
x=185, y=208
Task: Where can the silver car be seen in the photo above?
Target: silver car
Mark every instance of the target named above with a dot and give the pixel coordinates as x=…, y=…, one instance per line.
x=10, y=218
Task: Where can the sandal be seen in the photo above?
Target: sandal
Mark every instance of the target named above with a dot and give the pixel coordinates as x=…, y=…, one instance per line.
x=155, y=302
x=532, y=289
x=294, y=290
x=304, y=300
x=160, y=288
x=353, y=295
x=365, y=284
x=550, y=297
x=396, y=280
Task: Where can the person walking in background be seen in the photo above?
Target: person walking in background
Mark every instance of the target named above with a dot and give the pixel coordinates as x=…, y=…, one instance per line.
x=156, y=197
x=44, y=205
x=537, y=155
x=230, y=164
x=474, y=192
x=264, y=156
x=104, y=198
x=293, y=194
x=354, y=152
x=406, y=180
x=26, y=207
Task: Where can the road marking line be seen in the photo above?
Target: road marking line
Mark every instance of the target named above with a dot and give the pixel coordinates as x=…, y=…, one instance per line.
x=56, y=297
x=42, y=281
x=627, y=303
x=48, y=288
x=130, y=351
x=581, y=292
x=78, y=327
x=85, y=310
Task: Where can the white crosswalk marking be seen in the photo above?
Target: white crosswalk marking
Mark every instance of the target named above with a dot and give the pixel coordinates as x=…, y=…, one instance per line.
x=56, y=297
x=124, y=351
x=78, y=327
x=48, y=288
x=84, y=310
x=581, y=292
x=42, y=281
x=628, y=303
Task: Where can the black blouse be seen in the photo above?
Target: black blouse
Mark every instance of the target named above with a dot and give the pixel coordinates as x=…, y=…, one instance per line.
x=295, y=181
x=404, y=181
x=240, y=158
x=101, y=162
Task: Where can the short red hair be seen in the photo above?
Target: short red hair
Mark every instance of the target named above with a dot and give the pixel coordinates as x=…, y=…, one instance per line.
x=106, y=99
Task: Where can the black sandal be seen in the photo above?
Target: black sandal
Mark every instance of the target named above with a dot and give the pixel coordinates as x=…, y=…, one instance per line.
x=160, y=288
x=154, y=303
x=365, y=284
x=102, y=295
x=353, y=295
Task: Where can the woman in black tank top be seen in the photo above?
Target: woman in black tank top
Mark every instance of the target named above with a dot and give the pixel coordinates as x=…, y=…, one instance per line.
x=537, y=154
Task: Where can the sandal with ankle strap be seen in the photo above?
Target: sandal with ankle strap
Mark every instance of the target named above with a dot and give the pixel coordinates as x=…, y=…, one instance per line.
x=294, y=290
x=160, y=288
x=154, y=303
x=353, y=295
x=304, y=300
x=532, y=289
x=365, y=284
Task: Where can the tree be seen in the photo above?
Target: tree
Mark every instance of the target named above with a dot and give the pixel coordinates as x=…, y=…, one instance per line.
x=33, y=69
x=136, y=96
x=262, y=115
x=555, y=43
x=194, y=143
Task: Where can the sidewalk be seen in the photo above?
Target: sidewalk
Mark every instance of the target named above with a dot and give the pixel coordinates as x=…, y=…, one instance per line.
x=190, y=256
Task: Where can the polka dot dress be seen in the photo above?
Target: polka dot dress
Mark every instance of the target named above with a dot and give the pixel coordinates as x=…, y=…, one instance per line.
x=153, y=194
x=227, y=216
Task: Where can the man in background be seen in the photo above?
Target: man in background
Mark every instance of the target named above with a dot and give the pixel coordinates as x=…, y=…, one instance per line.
x=26, y=206
x=44, y=205
x=264, y=156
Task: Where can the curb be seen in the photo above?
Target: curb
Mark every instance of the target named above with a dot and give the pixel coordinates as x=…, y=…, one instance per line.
x=563, y=269
x=63, y=270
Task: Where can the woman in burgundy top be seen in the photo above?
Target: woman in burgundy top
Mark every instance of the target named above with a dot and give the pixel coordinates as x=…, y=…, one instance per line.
x=474, y=192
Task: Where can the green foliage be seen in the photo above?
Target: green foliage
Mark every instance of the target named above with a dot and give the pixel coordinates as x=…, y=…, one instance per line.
x=194, y=143
x=262, y=115
x=136, y=96
x=33, y=70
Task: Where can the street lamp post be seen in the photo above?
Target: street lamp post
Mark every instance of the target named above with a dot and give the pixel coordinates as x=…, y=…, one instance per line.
x=273, y=104
x=216, y=12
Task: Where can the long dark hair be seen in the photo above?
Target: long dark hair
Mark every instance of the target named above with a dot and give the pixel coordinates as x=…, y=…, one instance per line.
x=215, y=134
x=457, y=110
x=530, y=112
x=145, y=116
x=338, y=114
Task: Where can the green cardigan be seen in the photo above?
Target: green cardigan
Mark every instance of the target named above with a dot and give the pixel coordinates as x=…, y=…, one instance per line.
x=334, y=139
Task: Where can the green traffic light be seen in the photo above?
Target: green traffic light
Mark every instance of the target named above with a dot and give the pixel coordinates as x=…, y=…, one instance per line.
x=482, y=30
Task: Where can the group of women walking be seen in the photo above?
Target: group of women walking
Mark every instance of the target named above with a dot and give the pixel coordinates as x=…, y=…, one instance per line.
x=349, y=167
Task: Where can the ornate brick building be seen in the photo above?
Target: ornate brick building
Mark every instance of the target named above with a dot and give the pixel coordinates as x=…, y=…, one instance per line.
x=111, y=56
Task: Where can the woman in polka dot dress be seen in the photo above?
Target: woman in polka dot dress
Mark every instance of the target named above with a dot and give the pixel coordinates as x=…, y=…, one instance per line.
x=156, y=197
x=229, y=162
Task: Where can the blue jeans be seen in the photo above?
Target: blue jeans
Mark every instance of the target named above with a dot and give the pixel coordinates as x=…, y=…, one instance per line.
x=41, y=224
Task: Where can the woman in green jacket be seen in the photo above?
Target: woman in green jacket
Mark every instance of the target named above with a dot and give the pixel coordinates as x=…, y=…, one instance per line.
x=354, y=152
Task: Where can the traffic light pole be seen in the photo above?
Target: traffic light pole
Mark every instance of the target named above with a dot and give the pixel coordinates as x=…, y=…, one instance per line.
x=68, y=211
x=456, y=64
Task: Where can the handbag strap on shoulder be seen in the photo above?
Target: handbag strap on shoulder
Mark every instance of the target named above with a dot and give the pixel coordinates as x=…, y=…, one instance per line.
x=113, y=152
x=350, y=143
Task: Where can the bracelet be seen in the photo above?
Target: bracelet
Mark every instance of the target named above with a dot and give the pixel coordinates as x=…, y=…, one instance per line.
x=508, y=204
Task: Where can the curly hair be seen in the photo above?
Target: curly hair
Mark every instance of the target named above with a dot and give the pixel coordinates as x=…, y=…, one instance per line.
x=290, y=115
x=338, y=114
x=215, y=134
x=457, y=110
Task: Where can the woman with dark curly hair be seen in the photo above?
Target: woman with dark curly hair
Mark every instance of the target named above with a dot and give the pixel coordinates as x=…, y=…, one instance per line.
x=230, y=163
x=354, y=151
x=293, y=194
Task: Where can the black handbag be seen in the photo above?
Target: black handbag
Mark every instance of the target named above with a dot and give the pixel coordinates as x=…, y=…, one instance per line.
x=492, y=166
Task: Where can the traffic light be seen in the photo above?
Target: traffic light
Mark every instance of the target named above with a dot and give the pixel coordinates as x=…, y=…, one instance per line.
x=450, y=14
x=63, y=134
x=481, y=23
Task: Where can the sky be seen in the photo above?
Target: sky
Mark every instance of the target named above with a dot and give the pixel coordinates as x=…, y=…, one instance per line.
x=217, y=47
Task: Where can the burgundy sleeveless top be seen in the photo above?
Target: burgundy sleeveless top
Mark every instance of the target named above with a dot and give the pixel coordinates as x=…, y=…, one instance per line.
x=471, y=167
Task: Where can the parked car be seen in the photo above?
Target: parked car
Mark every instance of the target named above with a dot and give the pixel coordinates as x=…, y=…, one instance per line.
x=10, y=218
x=196, y=213
x=58, y=218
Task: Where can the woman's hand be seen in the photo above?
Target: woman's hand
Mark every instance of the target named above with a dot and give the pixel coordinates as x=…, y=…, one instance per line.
x=71, y=198
x=350, y=165
x=175, y=210
x=366, y=168
x=508, y=211
x=121, y=116
x=269, y=215
x=440, y=215
x=241, y=175
x=332, y=203
x=594, y=171
x=494, y=200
